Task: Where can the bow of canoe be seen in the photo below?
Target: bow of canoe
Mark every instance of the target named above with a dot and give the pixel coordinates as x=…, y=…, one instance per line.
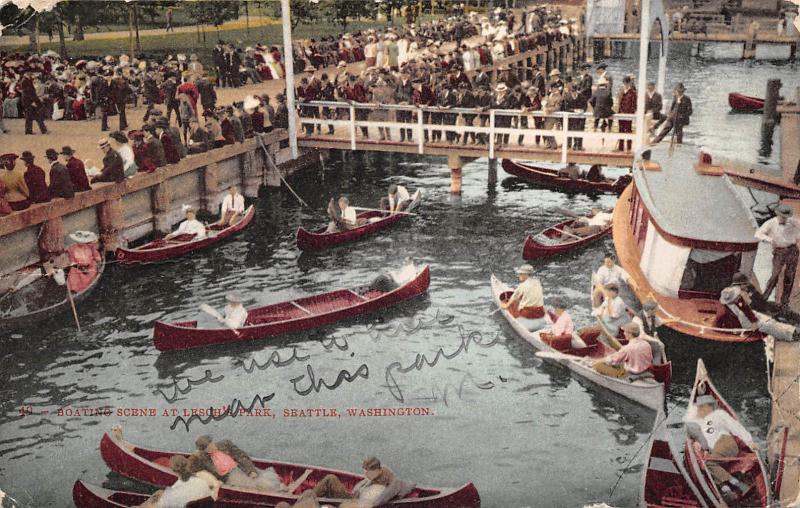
x=551, y=241
x=160, y=250
x=741, y=102
x=546, y=177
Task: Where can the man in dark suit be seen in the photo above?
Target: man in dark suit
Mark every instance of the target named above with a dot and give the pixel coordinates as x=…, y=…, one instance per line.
x=218, y=59
x=119, y=90
x=679, y=114
x=575, y=102
x=101, y=95
x=60, y=181
x=423, y=96
x=32, y=106
x=77, y=170
x=586, y=82
x=466, y=100
x=538, y=81
x=653, y=102
x=113, y=169
x=403, y=94
x=170, y=98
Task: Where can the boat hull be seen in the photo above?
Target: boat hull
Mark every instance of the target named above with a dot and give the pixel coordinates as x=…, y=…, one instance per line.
x=185, y=335
x=648, y=394
x=154, y=252
x=665, y=481
x=745, y=103
x=91, y=496
x=311, y=241
x=146, y=466
x=544, y=177
x=534, y=248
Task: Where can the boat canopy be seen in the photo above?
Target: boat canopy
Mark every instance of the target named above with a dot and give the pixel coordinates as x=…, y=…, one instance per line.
x=691, y=202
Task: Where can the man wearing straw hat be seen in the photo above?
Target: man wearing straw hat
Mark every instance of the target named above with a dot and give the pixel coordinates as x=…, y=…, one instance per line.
x=526, y=304
x=716, y=430
x=783, y=233
x=113, y=167
x=378, y=487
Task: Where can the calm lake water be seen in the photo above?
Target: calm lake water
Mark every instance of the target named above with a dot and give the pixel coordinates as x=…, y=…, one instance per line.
x=527, y=433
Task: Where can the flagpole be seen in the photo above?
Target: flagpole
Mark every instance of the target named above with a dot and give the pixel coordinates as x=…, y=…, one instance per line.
x=644, y=43
x=288, y=62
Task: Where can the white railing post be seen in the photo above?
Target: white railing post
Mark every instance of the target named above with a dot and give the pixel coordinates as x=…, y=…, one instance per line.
x=352, y=127
x=491, y=134
x=565, y=131
x=420, y=132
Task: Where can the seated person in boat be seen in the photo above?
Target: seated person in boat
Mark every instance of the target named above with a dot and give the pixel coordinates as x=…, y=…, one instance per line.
x=232, y=209
x=588, y=226
x=526, y=304
x=193, y=484
x=715, y=429
x=571, y=171
x=394, y=279
x=342, y=219
x=562, y=325
x=611, y=273
x=737, y=312
x=83, y=259
x=595, y=173
x=632, y=359
x=234, y=467
x=612, y=313
x=191, y=226
x=306, y=500
x=397, y=200
x=649, y=323
x=379, y=487
x=761, y=304
x=235, y=313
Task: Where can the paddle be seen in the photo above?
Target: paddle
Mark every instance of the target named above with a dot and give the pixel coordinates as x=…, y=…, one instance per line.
x=208, y=309
x=567, y=212
x=269, y=158
x=384, y=211
x=568, y=233
x=72, y=305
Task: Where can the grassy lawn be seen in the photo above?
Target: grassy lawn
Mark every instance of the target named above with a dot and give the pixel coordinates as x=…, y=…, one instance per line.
x=156, y=46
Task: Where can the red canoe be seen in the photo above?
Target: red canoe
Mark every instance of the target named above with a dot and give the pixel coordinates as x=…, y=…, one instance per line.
x=666, y=482
x=289, y=317
x=91, y=496
x=549, y=178
x=746, y=465
x=160, y=250
x=151, y=466
x=319, y=239
x=551, y=241
x=739, y=102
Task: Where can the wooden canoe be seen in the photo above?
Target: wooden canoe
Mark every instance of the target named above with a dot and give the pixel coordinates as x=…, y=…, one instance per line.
x=647, y=392
x=665, y=482
x=151, y=466
x=160, y=250
x=289, y=317
x=41, y=300
x=747, y=464
x=553, y=241
x=545, y=177
x=91, y=496
x=740, y=102
x=320, y=240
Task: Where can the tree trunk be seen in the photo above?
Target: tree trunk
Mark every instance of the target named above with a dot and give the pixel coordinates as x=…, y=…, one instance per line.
x=247, y=16
x=130, y=32
x=62, y=43
x=136, y=27
x=198, y=32
x=77, y=34
x=34, y=37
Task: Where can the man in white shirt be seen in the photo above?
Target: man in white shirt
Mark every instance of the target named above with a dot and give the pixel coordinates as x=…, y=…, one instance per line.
x=526, y=304
x=191, y=226
x=232, y=207
x=235, y=313
x=716, y=434
x=609, y=273
x=346, y=218
x=612, y=313
x=782, y=232
x=397, y=200
x=587, y=226
x=189, y=487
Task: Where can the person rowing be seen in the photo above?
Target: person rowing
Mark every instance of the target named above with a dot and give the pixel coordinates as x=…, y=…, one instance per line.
x=191, y=226
x=612, y=314
x=588, y=226
x=611, y=273
x=526, y=304
x=379, y=486
x=193, y=484
x=397, y=200
x=633, y=359
x=234, y=467
x=393, y=279
x=571, y=171
x=649, y=323
x=232, y=208
x=715, y=430
x=343, y=218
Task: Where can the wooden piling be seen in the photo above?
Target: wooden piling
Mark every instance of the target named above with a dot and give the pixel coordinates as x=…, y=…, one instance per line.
x=492, y=173
x=454, y=162
x=770, y=115
x=211, y=188
x=111, y=221
x=161, y=199
x=51, y=238
x=607, y=48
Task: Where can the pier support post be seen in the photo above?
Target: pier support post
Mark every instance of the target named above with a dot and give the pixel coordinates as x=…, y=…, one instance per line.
x=790, y=133
x=454, y=162
x=162, y=200
x=770, y=115
x=112, y=222
x=51, y=238
x=607, y=51
x=492, y=173
x=211, y=188
x=749, y=50
x=792, y=51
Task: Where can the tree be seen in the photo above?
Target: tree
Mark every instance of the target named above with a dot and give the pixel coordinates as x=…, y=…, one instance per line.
x=341, y=11
x=303, y=11
x=212, y=13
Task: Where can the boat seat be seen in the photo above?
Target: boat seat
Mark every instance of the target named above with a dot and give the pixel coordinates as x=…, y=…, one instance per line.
x=742, y=463
x=557, y=342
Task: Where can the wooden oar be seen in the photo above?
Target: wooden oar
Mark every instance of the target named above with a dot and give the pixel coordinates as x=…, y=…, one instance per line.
x=568, y=213
x=275, y=167
x=613, y=342
x=383, y=211
x=568, y=233
x=72, y=304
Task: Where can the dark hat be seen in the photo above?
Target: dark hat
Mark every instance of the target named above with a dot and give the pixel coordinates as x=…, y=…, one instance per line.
x=559, y=303
x=136, y=135
x=162, y=123
x=9, y=156
x=27, y=156
x=67, y=150
x=371, y=464
x=602, y=66
x=585, y=66
x=782, y=210
x=649, y=304
x=680, y=87
x=202, y=442
x=51, y=154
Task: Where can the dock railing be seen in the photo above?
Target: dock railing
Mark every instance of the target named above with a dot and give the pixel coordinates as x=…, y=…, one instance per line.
x=348, y=118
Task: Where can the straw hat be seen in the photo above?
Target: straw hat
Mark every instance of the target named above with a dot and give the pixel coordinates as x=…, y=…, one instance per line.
x=501, y=88
x=83, y=237
x=251, y=103
x=784, y=210
x=526, y=269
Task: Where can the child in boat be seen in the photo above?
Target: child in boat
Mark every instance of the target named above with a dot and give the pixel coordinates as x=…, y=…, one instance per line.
x=714, y=429
x=191, y=226
x=526, y=304
x=632, y=359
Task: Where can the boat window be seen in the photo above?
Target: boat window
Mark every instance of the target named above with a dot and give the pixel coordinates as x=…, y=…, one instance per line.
x=708, y=272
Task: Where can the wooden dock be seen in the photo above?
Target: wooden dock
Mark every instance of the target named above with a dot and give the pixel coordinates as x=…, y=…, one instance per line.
x=748, y=39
